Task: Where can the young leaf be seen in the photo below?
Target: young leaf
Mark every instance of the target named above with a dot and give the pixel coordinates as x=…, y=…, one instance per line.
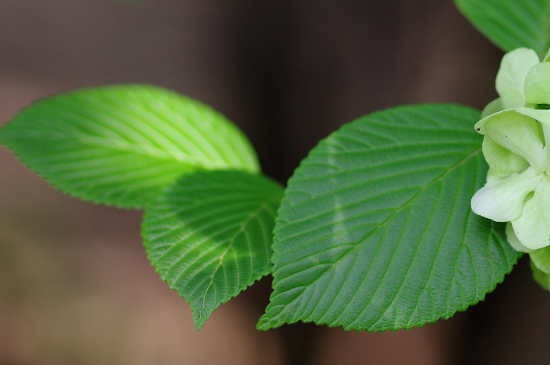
x=209, y=235
x=119, y=145
x=375, y=231
x=511, y=24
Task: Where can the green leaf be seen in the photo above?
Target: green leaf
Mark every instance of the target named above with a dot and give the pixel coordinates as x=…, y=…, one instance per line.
x=209, y=235
x=375, y=231
x=119, y=145
x=511, y=24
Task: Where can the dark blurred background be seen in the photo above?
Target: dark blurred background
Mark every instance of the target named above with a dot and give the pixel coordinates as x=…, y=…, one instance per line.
x=75, y=284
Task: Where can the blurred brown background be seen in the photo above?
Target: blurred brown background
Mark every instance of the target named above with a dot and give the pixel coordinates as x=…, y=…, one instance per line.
x=75, y=284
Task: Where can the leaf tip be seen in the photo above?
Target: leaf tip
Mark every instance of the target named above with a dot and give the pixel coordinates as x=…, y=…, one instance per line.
x=263, y=323
x=200, y=316
x=199, y=324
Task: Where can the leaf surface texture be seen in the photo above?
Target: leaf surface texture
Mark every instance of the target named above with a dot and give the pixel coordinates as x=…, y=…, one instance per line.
x=209, y=235
x=511, y=24
x=375, y=231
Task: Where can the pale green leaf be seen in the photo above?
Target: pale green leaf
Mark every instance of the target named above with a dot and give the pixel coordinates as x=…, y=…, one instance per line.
x=537, y=88
x=510, y=81
x=375, y=231
x=493, y=107
x=502, y=199
x=541, y=277
x=209, y=235
x=516, y=132
x=119, y=145
x=532, y=227
x=511, y=24
x=501, y=160
x=541, y=259
x=513, y=239
x=514, y=67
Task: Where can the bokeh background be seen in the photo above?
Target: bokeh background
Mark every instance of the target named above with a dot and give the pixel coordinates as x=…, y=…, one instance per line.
x=75, y=284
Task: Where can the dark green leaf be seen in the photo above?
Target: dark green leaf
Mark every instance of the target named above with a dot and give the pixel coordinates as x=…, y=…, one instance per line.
x=375, y=231
x=209, y=235
x=511, y=24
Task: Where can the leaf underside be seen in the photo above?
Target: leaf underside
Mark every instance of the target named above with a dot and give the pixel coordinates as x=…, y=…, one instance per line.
x=375, y=231
x=209, y=235
x=119, y=145
x=511, y=24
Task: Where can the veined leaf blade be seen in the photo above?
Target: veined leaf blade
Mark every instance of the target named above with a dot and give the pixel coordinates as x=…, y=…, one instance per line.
x=511, y=24
x=209, y=235
x=119, y=145
x=375, y=231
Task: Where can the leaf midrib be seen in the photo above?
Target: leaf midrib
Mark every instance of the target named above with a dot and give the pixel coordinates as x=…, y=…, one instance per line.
x=198, y=320
x=452, y=168
x=148, y=151
x=370, y=197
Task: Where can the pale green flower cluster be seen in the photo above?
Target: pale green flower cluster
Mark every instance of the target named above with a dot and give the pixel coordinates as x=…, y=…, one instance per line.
x=516, y=146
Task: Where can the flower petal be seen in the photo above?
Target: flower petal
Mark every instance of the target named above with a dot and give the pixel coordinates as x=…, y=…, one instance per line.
x=513, y=240
x=517, y=133
x=543, y=116
x=541, y=259
x=493, y=107
x=512, y=98
x=514, y=67
x=502, y=199
x=532, y=227
x=502, y=160
x=537, y=85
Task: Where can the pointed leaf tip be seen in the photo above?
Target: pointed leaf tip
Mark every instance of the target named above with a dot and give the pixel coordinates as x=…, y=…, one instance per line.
x=209, y=235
